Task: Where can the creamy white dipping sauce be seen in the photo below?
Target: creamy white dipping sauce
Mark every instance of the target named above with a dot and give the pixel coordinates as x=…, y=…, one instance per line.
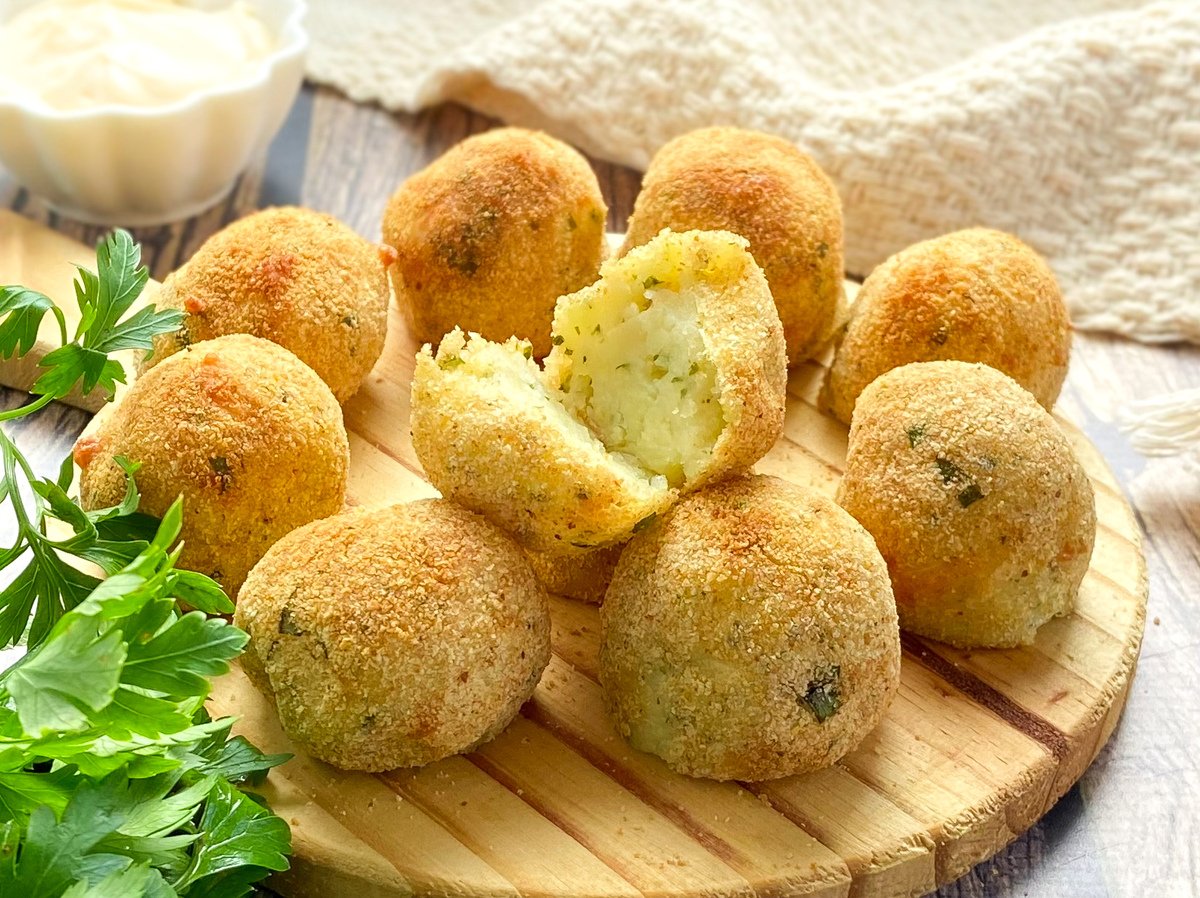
x=80, y=54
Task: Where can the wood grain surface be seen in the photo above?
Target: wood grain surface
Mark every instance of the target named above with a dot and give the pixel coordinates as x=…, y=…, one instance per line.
x=1129, y=828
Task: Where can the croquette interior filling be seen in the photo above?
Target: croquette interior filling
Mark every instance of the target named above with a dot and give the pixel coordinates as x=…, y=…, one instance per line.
x=517, y=375
x=640, y=375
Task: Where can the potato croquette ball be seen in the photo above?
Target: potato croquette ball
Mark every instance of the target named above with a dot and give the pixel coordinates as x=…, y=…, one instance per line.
x=492, y=233
x=771, y=193
x=975, y=296
x=395, y=638
x=580, y=574
x=749, y=634
x=975, y=499
x=239, y=427
x=667, y=373
x=299, y=278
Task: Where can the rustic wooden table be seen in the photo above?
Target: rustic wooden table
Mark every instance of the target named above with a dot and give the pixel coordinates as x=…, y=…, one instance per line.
x=1131, y=827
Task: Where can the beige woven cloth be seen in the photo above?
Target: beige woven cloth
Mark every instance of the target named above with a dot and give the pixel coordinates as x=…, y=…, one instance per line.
x=1072, y=123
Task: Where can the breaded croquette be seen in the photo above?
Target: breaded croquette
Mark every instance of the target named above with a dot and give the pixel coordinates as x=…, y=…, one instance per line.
x=492, y=233
x=299, y=278
x=239, y=427
x=750, y=633
x=976, y=296
x=397, y=637
x=975, y=499
x=666, y=374
x=580, y=574
x=768, y=191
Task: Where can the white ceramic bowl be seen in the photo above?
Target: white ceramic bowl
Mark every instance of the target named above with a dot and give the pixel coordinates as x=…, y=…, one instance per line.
x=141, y=166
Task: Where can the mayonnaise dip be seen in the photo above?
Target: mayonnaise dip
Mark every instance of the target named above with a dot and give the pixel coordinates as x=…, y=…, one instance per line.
x=81, y=54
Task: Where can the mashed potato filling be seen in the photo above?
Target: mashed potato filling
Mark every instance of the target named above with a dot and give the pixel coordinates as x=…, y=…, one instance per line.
x=494, y=435
x=632, y=363
x=508, y=371
x=509, y=374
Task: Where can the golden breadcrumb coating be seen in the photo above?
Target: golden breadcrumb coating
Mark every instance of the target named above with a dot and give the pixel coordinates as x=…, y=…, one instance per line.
x=676, y=357
x=750, y=634
x=580, y=574
x=975, y=499
x=768, y=191
x=394, y=638
x=242, y=429
x=667, y=373
x=488, y=236
x=299, y=278
x=976, y=296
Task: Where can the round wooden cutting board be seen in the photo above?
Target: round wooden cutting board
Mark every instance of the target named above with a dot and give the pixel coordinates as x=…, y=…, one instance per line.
x=975, y=748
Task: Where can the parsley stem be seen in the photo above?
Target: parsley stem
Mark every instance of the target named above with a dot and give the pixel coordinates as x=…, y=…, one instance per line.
x=21, y=411
x=12, y=458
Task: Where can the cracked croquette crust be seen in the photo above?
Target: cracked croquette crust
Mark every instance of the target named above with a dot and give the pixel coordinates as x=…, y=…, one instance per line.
x=768, y=191
x=501, y=446
x=397, y=637
x=247, y=433
x=973, y=494
x=294, y=276
x=976, y=295
x=750, y=633
x=467, y=228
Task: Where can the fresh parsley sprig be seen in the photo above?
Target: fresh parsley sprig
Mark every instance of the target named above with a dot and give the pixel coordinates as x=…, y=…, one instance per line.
x=113, y=779
x=49, y=582
x=104, y=297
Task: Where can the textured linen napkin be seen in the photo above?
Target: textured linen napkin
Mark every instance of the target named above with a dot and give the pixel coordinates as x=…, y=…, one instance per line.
x=1074, y=124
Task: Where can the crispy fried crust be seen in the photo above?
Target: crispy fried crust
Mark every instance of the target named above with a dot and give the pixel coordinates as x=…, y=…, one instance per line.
x=746, y=343
x=394, y=638
x=768, y=191
x=580, y=574
x=742, y=336
x=975, y=499
x=299, y=278
x=976, y=296
x=489, y=235
x=247, y=433
x=490, y=437
x=749, y=634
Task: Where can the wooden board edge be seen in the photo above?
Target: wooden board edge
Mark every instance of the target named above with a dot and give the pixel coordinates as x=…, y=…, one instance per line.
x=1088, y=741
